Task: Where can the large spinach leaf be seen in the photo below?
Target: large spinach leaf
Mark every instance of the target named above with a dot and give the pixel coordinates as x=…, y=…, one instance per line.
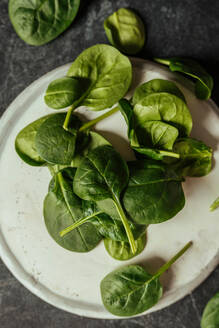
x=109, y=74
x=54, y=144
x=154, y=86
x=63, y=92
x=104, y=174
x=106, y=225
x=164, y=107
x=121, y=250
x=154, y=193
x=40, y=21
x=210, y=317
x=61, y=208
x=195, y=158
x=125, y=30
x=25, y=143
x=204, y=81
x=131, y=290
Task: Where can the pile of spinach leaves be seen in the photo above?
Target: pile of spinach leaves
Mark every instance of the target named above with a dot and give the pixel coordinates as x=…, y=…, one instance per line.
x=159, y=124
x=94, y=194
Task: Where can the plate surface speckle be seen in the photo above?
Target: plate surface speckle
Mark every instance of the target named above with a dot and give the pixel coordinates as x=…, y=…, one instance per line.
x=70, y=281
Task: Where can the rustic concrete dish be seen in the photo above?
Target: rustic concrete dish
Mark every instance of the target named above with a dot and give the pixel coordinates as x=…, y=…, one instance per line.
x=70, y=281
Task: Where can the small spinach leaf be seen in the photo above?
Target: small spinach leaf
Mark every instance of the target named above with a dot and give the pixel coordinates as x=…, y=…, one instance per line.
x=154, y=193
x=210, y=317
x=38, y=22
x=125, y=30
x=104, y=174
x=131, y=290
x=204, y=81
x=152, y=134
x=25, y=143
x=120, y=250
x=154, y=86
x=164, y=107
x=195, y=158
x=61, y=208
x=63, y=92
x=54, y=144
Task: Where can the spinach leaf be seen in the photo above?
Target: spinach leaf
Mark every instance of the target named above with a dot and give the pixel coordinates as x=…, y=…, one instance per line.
x=94, y=140
x=204, y=81
x=215, y=204
x=154, y=86
x=131, y=290
x=25, y=143
x=104, y=174
x=54, y=144
x=154, y=193
x=164, y=107
x=108, y=74
x=125, y=30
x=153, y=134
x=210, y=317
x=107, y=226
x=38, y=22
x=61, y=208
x=195, y=158
x=120, y=250
x=63, y=92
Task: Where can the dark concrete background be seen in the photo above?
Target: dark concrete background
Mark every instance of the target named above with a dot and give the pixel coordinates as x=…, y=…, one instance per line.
x=186, y=28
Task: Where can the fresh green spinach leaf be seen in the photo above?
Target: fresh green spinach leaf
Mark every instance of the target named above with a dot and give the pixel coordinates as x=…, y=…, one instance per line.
x=153, y=134
x=154, y=193
x=204, y=81
x=54, y=144
x=154, y=86
x=63, y=92
x=61, y=208
x=121, y=250
x=210, y=317
x=195, y=158
x=107, y=226
x=25, y=143
x=125, y=30
x=38, y=22
x=104, y=174
x=107, y=73
x=164, y=107
x=132, y=290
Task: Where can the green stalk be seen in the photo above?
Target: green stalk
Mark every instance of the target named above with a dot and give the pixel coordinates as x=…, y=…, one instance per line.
x=125, y=224
x=162, y=61
x=215, y=204
x=68, y=117
x=169, y=154
x=167, y=265
x=89, y=124
x=77, y=224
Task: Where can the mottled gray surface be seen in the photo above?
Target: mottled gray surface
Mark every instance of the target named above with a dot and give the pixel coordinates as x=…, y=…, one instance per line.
x=189, y=28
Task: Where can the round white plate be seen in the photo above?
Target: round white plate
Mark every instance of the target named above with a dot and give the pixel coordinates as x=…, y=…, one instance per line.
x=70, y=281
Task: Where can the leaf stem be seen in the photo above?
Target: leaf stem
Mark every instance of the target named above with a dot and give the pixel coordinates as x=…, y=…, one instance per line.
x=215, y=204
x=162, y=61
x=166, y=266
x=77, y=224
x=68, y=117
x=89, y=124
x=169, y=154
x=125, y=224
